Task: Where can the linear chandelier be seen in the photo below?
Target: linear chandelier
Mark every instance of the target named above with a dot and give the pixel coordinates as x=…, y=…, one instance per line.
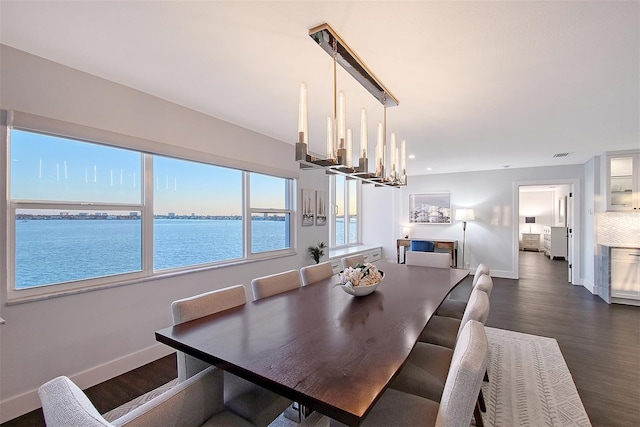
x=390, y=168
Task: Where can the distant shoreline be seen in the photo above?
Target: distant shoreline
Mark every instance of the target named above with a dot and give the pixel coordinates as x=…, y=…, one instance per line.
x=106, y=217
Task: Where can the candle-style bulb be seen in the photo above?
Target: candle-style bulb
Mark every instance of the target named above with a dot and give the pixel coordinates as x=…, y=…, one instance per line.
x=303, y=118
x=331, y=150
x=349, y=148
x=364, y=137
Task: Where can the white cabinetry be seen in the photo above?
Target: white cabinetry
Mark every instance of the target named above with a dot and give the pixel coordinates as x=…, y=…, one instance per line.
x=623, y=182
x=370, y=254
x=531, y=242
x=555, y=242
x=625, y=273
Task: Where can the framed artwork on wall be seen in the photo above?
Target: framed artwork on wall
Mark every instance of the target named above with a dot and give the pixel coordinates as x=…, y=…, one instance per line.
x=430, y=208
x=321, y=207
x=307, y=207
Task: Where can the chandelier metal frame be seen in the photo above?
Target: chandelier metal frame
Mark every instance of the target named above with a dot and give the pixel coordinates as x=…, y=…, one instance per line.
x=342, y=54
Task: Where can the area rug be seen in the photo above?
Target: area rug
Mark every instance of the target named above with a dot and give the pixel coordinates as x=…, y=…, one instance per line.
x=529, y=385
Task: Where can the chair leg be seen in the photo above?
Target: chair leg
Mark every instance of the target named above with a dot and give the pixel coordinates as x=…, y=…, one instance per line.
x=483, y=406
x=478, y=415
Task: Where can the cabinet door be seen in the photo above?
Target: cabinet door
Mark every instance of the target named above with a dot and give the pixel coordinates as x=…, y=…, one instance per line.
x=623, y=183
x=625, y=277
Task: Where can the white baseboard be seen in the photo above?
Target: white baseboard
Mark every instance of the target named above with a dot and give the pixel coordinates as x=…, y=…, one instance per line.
x=28, y=401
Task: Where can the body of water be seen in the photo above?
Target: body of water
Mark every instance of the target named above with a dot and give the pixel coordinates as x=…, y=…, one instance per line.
x=56, y=251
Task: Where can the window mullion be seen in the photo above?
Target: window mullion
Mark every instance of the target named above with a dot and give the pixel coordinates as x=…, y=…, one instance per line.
x=147, y=214
x=246, y=213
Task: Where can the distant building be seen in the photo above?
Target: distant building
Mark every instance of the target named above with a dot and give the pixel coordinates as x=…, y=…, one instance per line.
x=172, y=215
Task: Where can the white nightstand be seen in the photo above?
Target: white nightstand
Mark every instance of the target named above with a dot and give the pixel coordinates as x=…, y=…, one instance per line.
x=531, y=242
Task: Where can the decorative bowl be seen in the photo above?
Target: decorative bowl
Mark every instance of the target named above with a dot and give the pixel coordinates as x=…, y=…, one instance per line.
x=360, y=291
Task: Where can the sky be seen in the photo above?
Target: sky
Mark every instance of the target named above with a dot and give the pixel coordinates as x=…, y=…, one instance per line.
x=49, y=168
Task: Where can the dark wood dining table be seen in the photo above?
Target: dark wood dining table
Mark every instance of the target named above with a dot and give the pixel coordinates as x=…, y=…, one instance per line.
x=318, y=345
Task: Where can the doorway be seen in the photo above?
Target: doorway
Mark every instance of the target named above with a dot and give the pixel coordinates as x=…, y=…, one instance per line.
x=545, y=223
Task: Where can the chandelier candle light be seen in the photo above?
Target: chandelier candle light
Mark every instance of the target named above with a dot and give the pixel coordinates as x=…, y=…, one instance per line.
x=339, y=140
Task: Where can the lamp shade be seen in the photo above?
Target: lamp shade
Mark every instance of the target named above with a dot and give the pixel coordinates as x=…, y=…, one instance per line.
x=530, y=219
x=465, y=214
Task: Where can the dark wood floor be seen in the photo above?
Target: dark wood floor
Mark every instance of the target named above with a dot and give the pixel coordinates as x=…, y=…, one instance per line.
x=600, y=343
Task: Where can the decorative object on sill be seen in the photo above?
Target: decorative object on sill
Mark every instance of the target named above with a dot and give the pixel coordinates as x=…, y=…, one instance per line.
x=430, y=208
x=530, y=220
x=464, y=215
x=339, y=140
x=317, y=252
x=321, y=207
x=307, y=207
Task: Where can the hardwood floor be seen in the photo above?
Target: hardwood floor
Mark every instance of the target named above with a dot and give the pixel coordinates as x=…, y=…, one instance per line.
x=600, y=343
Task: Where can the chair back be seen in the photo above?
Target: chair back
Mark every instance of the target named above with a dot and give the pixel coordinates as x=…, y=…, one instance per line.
x=480, y=270
x=352, y=261
x=64, y=404
x=423, y=246
x=190, y=403
x=195, y=307
x=477, y=310
x=468, y=365
x=273, y=284
x=428, y=259
x=485, y=284
x=314, y=273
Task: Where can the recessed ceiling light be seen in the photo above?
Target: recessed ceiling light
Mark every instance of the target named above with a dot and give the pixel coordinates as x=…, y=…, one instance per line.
x=412, y=156
x=428, y=169
x=506, y=166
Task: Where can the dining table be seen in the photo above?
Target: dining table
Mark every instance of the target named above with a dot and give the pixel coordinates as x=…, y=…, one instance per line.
x=318, y=345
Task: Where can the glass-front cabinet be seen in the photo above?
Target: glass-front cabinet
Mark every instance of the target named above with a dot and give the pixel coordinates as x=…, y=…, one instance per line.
x=624, y=182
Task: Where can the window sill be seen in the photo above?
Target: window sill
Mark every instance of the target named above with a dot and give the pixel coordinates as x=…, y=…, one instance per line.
x=14, y=299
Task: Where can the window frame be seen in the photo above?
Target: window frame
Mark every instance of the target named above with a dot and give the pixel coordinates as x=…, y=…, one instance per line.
x=147, y=272
x=347, y=214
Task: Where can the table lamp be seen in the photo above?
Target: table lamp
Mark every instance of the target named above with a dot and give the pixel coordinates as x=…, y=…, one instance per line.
x=405, y=232
x=530, y=220
x=464, y=215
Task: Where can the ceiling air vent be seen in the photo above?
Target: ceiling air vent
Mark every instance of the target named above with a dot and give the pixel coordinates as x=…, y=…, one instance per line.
x=558, y=155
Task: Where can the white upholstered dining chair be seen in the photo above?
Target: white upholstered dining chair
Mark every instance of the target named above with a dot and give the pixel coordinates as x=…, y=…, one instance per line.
x=458, y=403
x=273, y=284
x=455, y=308
x=196, y=401
x=444, y=331
x=314, y=273
x=428, y=259
x=428, y=364
x=250, y=401
x=352, y=261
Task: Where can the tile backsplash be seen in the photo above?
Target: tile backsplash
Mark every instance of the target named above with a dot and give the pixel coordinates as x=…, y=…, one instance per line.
x=618, y=229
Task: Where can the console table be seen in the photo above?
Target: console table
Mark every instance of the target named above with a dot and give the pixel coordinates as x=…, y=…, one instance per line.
x=449, y=245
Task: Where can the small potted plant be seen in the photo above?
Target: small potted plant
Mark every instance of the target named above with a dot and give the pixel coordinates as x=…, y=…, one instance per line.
x=316, y=252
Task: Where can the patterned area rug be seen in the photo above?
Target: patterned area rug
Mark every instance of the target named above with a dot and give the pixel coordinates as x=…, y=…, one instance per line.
x=529, y=385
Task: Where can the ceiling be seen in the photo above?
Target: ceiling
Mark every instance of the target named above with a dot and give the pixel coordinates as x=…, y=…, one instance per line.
x=482, y=85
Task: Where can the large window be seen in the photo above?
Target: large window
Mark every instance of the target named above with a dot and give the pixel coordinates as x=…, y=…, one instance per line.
x=270, y=210
x=345, y=223
x=197, y=213
x=84, y=214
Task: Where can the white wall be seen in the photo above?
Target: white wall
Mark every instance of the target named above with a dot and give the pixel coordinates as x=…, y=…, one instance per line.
x=591, y=202
x=491, y=238
x=96, y=335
